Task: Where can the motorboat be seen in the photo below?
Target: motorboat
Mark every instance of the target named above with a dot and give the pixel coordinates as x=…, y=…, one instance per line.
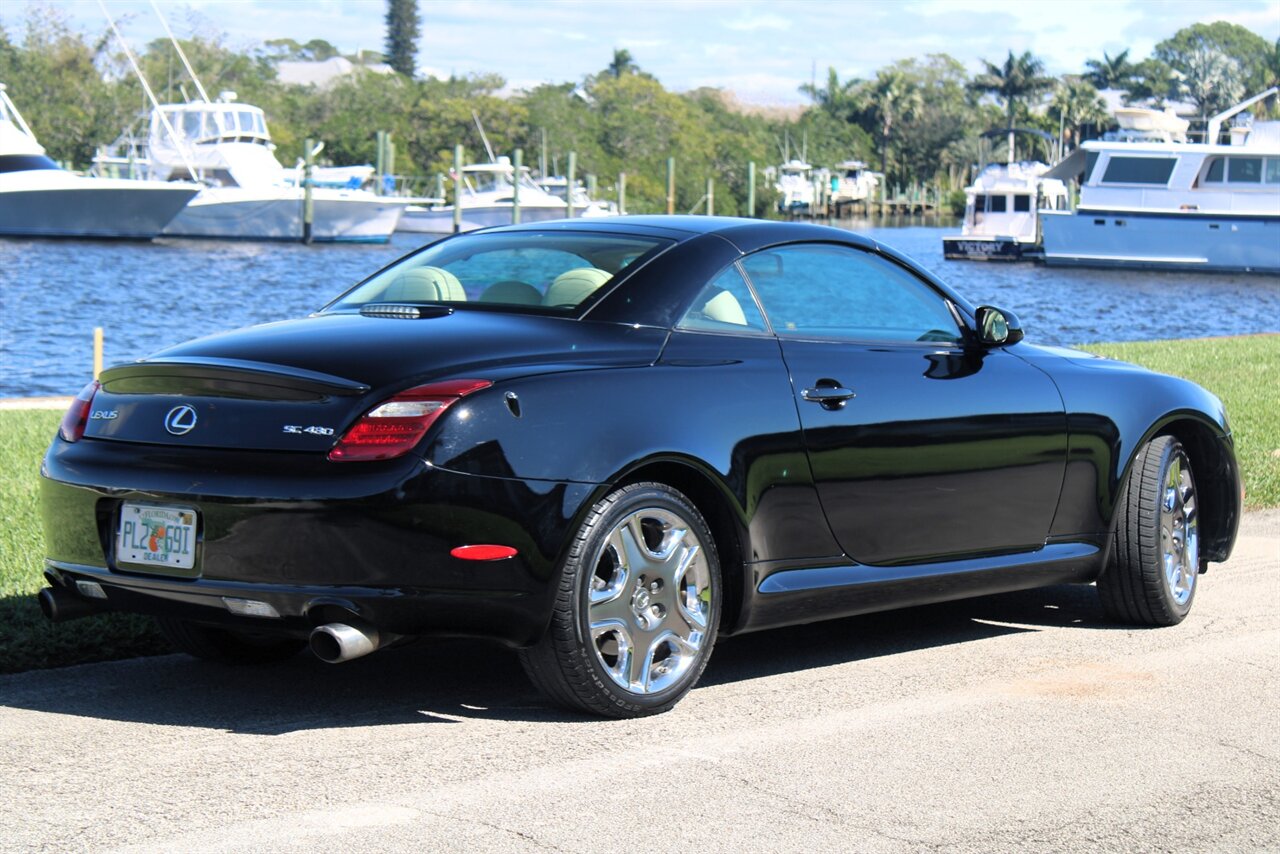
x=583, y=204
x=795, y=187
x=38, y=198
x=1151, y=199
x=225, y=145
x=1000, y=213
x=852, y=183
x=488, y=198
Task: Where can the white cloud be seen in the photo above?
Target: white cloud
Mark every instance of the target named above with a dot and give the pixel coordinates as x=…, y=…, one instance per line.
x=750, y=23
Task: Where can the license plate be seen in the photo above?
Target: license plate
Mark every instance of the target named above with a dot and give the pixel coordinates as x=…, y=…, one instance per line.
x=157, y=536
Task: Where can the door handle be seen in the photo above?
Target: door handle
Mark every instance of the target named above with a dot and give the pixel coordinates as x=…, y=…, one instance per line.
x=829, y=397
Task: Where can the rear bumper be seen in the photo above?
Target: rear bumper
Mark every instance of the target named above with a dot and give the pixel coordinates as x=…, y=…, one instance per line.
x=515, y=618
x=314, y=539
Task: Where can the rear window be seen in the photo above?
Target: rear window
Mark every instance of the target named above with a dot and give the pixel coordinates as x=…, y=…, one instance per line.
x=553, y=273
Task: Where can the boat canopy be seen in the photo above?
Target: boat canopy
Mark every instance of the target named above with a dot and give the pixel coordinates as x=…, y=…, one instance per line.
x=1071, y=166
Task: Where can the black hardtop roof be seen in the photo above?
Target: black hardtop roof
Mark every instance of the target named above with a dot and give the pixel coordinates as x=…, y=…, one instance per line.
x=746, y=234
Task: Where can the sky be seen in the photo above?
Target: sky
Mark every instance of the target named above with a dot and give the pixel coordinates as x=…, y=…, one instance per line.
x=761, y=51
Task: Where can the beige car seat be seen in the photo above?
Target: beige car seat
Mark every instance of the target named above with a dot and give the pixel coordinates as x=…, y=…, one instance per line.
x=573, y=286
x=512, y=292
x=425, y=284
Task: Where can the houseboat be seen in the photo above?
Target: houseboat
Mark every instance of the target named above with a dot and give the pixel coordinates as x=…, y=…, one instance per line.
x=1151, y=199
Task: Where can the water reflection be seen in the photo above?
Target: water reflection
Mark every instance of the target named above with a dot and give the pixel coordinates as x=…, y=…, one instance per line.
x=148, y=296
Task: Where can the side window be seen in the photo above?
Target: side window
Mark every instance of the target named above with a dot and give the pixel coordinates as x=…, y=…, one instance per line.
x=724, y=305
x=1021, y=204
x=821, y=291
x=1244, y=170
x=1139, y=170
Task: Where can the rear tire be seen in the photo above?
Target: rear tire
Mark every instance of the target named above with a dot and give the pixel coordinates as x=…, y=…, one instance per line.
x=227, y=646
x=1150, y=579
x=637, y=608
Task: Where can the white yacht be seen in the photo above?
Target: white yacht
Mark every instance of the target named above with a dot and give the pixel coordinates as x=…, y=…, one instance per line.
x=583, y=204
x=1000, y=213
x=40, y=199
x=226, y=145
x=487, y=193
x=1150, y=199
x=795, y=186
x=853, y=183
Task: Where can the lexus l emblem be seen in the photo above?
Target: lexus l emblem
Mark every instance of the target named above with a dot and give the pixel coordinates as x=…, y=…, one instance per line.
x=180, y=421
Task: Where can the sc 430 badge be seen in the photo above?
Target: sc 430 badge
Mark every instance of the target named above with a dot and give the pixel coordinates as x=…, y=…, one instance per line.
x=313, y=431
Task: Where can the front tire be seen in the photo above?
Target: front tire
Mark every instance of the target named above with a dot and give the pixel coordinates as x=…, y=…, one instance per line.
x=227, y=646
x=1155, y=557
x=637, y=609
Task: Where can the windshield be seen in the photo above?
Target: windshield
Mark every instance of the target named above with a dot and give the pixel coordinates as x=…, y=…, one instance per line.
x=545, y=273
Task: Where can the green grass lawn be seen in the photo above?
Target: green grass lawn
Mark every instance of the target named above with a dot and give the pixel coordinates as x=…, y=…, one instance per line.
x=27, y=640
x=1244, y=372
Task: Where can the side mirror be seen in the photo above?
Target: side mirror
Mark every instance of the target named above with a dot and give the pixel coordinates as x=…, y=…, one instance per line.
x=997, y=327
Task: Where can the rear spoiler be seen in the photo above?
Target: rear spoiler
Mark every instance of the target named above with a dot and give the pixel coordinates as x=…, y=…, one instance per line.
x=226, y=378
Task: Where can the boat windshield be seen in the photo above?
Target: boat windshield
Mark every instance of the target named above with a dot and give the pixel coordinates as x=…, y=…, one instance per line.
x=490, y=181
x=543, y=273
x=25, y=163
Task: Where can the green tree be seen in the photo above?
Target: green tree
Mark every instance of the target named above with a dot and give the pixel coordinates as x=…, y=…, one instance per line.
x=1076, y=103
x=948, y=112
x=839, y=99
x=1220, y=63
x=1018, y=79
x=403, y=24
x=622, y=63
x=891, y=97
x=54, y=77
x=1154, y=83
x=1110, y=72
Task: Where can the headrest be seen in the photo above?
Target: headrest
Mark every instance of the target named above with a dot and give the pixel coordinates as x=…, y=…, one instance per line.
x=512, y=292
x=574, y=286
x=725, y=308
x=425, y=284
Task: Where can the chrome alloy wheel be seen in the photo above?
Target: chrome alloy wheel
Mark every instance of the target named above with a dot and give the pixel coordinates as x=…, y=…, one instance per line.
x=649, y=601
x=1179, y=529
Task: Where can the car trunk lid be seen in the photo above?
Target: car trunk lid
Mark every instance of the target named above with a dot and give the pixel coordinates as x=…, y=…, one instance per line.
x=298, y=385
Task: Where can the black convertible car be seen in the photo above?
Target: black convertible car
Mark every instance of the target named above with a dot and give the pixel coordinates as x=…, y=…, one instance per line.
x=607, y=443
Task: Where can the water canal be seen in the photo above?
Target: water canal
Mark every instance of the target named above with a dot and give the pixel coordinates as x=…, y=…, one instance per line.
x=148, y=296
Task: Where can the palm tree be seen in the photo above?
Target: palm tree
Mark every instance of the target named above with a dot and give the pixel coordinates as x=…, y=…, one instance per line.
x=622, y=63
x=1020, y=78
x=838, y=99
x=1110, y=72
x=890, y=98
x=1076, y=103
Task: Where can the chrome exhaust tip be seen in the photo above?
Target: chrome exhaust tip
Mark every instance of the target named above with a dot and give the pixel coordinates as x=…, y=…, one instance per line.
x=59, y=605
x=338, y=642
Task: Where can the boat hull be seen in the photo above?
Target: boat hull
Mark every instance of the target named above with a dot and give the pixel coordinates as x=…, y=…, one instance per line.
x=336, y=218
x=988, y=249
x=84, y=209
x=1091, y=238
x=440, y=220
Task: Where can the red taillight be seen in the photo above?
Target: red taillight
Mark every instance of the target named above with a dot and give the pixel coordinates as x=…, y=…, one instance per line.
x=395, y=426
x=77, y=417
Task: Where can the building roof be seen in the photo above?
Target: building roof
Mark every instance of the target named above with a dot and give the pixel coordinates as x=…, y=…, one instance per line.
x=324, y=74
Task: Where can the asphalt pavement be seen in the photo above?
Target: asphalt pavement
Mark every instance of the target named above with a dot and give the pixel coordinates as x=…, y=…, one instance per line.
x=1021, y=722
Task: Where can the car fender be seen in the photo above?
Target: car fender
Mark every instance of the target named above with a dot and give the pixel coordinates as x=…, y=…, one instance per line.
x=1113, y=409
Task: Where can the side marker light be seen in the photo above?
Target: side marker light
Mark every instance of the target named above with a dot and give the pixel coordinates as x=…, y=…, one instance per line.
x=484, y=552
